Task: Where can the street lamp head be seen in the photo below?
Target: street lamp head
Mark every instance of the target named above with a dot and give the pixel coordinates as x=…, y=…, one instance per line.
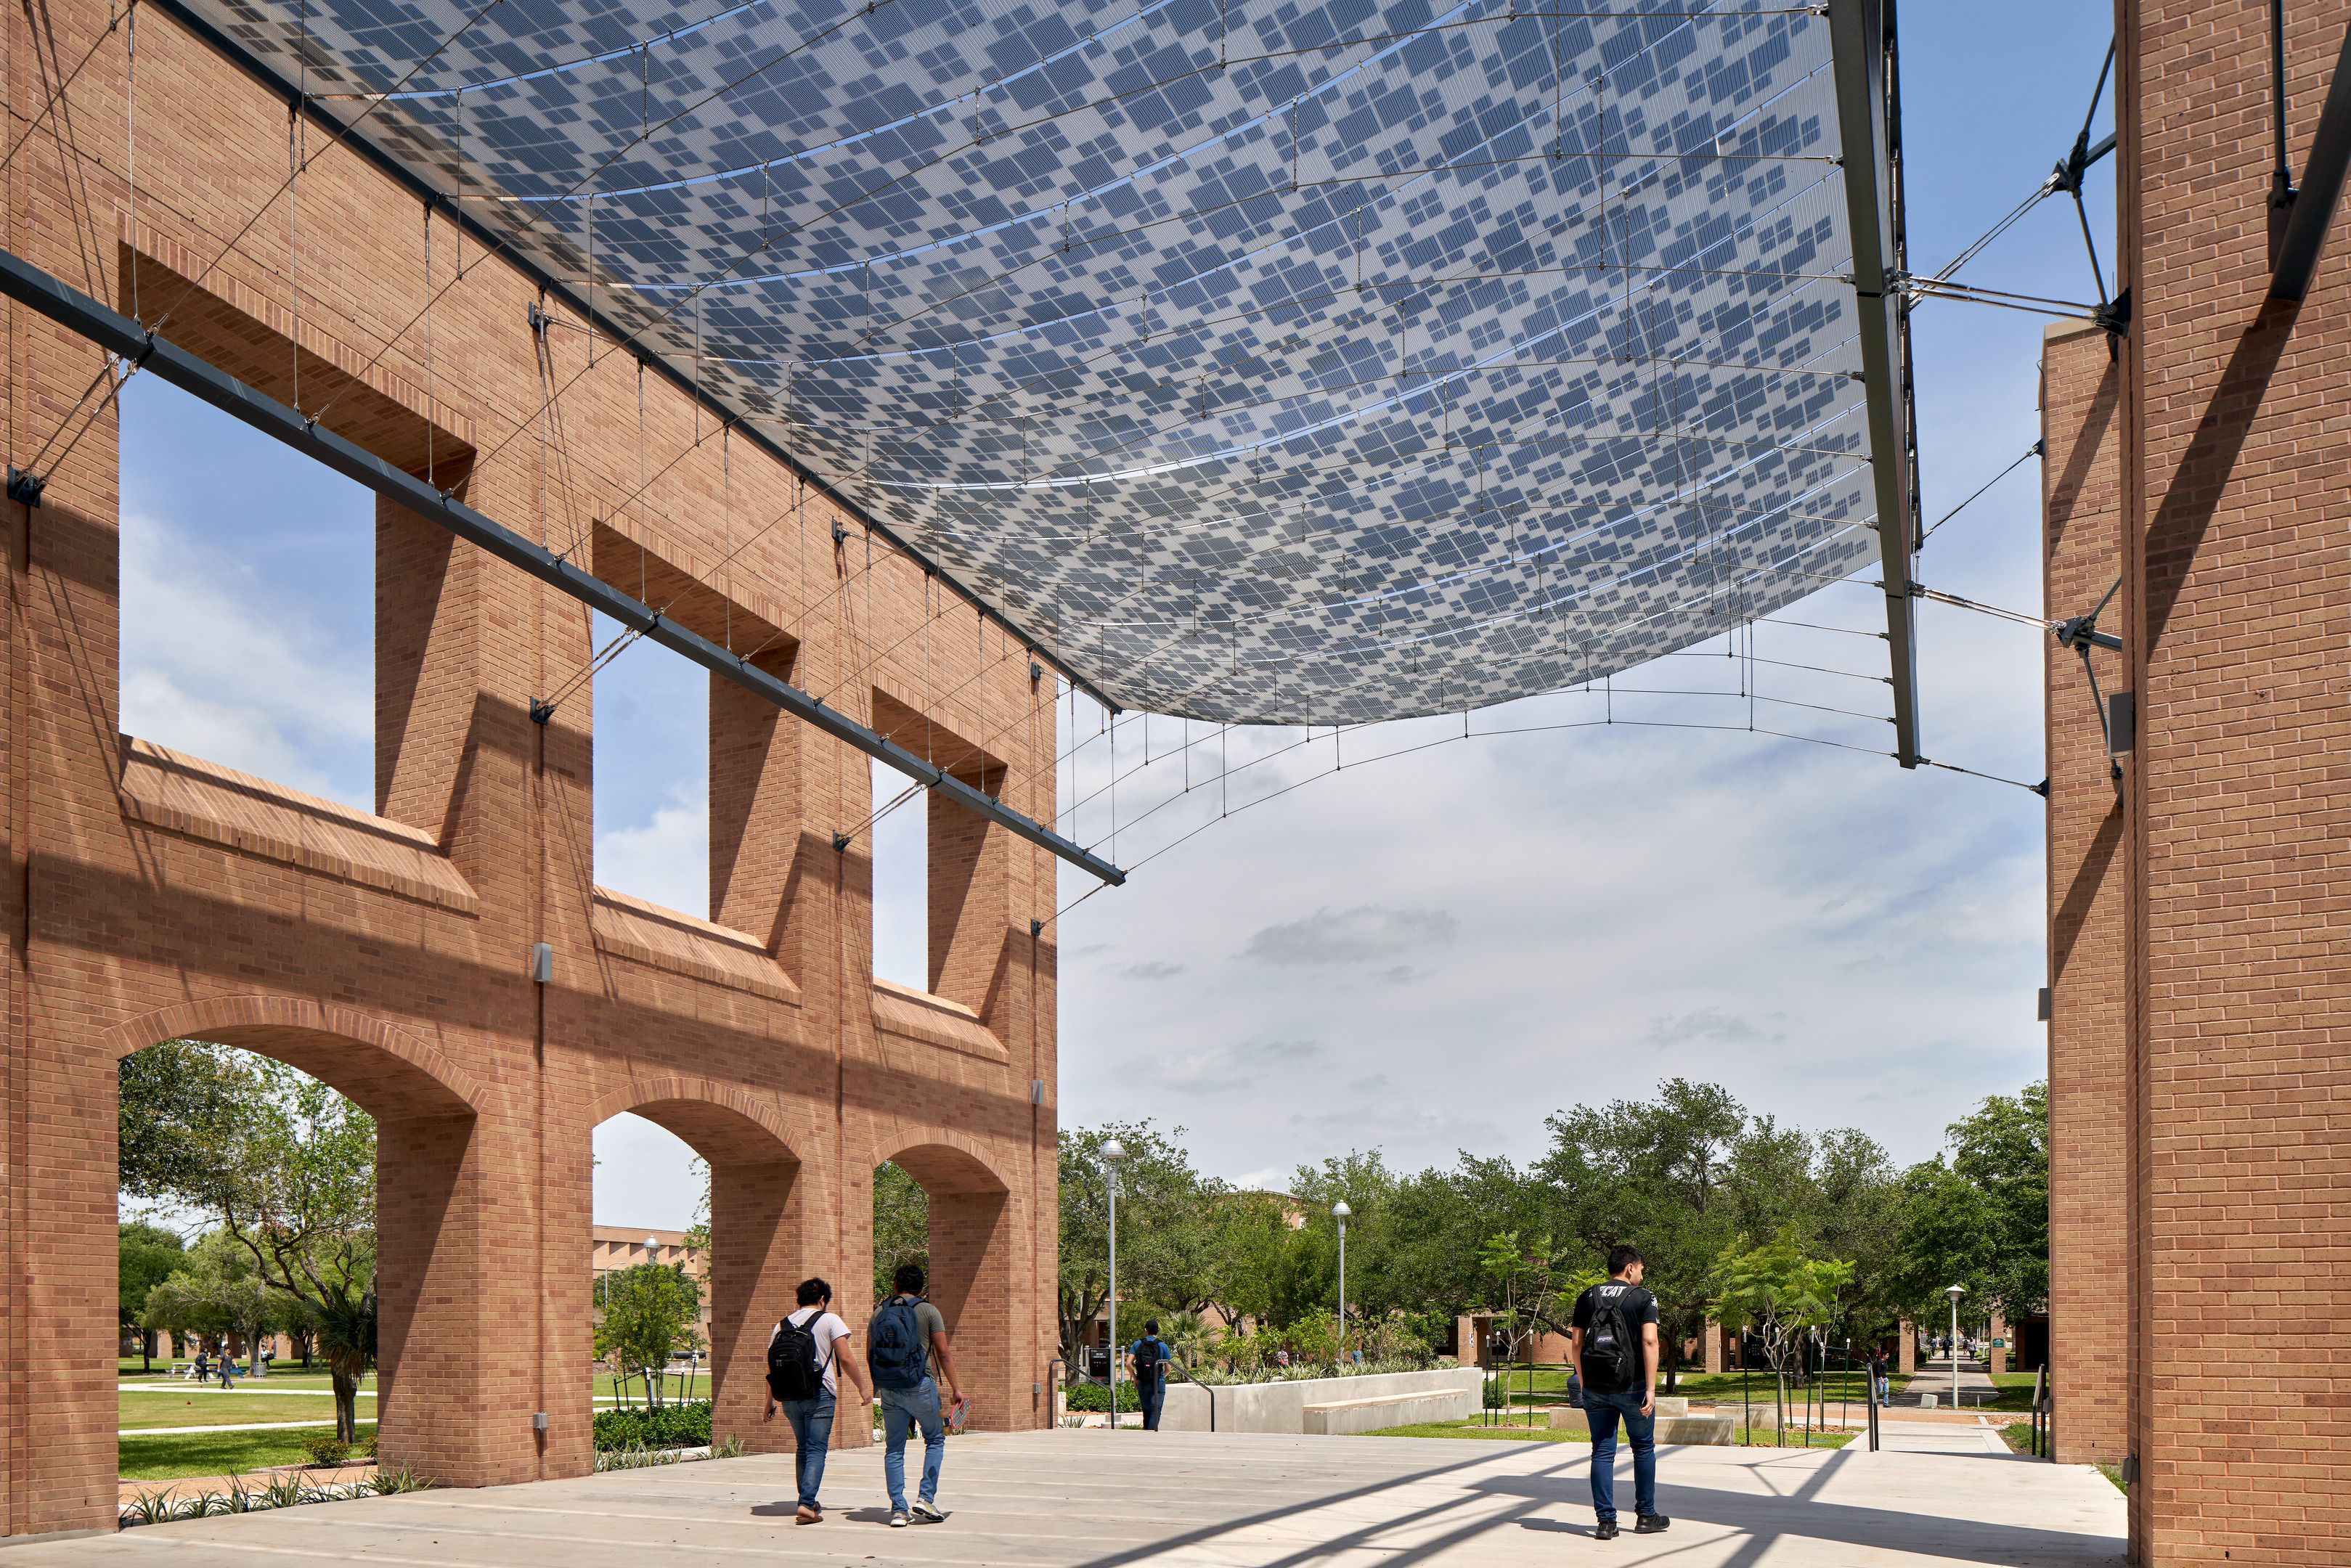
x=1955, y=1292
x=1342, y=1211
x=1113, y=1151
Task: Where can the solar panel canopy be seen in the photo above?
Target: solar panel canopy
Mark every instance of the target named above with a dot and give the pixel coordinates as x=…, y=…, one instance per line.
x=1266, y=362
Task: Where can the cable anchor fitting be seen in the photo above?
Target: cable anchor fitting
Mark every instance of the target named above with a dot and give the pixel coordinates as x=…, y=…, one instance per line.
x=26, y=487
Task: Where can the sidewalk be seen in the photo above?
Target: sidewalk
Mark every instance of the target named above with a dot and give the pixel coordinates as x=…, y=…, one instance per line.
x=1976, y=1386
x=1126, y=1500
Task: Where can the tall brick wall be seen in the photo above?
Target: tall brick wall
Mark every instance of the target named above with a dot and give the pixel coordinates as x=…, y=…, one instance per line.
x=2226, y=1084
x=2081, y=390
x=152, y=896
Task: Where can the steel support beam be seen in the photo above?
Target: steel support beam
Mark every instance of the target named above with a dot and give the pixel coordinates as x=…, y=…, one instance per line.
x=1861, y=43
x=2310, y=206
x=119, y=335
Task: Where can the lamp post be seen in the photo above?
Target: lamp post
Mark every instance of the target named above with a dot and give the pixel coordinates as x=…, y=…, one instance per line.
x=1342, y=1211
x=1955, y=1292
x=1114, y=1152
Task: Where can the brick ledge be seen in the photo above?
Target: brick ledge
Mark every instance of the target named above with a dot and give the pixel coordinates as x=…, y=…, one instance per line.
x=918, y=1015
x=645, y=933
x=176, y=793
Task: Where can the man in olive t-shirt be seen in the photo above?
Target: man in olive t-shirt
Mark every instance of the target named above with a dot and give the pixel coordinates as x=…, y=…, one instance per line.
x=1620, y=1305
x=920, y=1406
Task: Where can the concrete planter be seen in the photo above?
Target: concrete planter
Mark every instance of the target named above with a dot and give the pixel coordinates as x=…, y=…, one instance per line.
x=1346, y=1404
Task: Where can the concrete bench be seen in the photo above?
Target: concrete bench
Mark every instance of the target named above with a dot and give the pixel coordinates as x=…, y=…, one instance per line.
x=1340, y=1417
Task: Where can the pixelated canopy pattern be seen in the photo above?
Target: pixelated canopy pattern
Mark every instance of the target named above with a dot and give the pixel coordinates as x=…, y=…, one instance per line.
x=1270, y=362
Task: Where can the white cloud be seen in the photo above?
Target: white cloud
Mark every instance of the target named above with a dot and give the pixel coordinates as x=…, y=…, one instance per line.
x=1151, y=971
x=220, y=662
x=666, y=860
x=1364, y=932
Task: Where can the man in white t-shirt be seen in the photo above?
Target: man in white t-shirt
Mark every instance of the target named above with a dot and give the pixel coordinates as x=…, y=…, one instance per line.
x=811, y=1420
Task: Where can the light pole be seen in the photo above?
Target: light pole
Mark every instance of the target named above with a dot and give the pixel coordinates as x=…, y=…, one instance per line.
x=1114, y=1152
x=1342, y=1211
x=1955, y=1292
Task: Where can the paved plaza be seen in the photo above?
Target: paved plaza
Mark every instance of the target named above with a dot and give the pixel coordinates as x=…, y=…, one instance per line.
x=1097, y=1499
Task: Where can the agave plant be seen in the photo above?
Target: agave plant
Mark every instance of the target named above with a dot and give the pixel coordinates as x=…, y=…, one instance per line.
x=284, y=1491
x=152, y=1506
x=727, y=1448
x=388, y=1483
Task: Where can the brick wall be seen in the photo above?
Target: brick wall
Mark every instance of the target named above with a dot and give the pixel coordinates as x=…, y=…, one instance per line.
x=2236, y=1030
x=2081, y=388
x=151, y=896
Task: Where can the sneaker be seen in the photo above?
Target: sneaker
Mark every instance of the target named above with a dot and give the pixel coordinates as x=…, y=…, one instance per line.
x=1652, y=1524
x=898, y=1519
x=927, y=1513
x=1606, y=1530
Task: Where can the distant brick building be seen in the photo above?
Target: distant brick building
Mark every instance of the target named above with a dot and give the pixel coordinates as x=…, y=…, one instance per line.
x=2199, y=1024
x=391, y=952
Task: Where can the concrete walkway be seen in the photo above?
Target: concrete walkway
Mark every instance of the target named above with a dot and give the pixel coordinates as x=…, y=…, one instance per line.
x=1976, y=1386
x=1105, y=1499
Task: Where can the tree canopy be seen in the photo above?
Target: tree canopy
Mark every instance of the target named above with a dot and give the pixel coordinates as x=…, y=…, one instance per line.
x=1783, y=1228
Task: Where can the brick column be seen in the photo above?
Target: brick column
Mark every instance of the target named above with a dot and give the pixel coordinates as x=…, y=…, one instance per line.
x=2238, y=799
x=2081, y=385
x=756, y=1264
x=1714, y=1347
x=1906, y=1355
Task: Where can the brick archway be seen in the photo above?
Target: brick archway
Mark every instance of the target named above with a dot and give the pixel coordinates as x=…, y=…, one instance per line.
x=426, y=1109
x=402, y=1076
x=758, y=1249
x=971, y=1271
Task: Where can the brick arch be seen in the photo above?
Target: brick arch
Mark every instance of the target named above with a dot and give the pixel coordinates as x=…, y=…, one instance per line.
x=949, y=1165
x=402, y=1076
x=724, y=1124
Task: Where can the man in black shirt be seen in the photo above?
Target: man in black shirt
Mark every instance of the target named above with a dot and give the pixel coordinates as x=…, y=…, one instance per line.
x=1612, y=1342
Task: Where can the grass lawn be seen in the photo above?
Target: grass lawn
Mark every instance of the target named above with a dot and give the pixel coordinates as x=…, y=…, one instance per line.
x=194, y=1409
x=211, y=1454
x=286, y=1377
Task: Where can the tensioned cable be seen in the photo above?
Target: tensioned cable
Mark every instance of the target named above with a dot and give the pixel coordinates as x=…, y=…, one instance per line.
x=2035, y=450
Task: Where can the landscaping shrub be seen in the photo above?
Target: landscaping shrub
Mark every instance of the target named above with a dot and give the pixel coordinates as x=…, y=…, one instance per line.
x=685, y=1425
x=325, y=1449
x=1094, y=1396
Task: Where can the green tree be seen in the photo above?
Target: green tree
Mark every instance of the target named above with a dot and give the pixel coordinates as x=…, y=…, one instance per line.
x=148, y=1255
x=293, y=1181
x=1981, y=1221
x=1246, y=1235
x=1162, y=1223
x=648, y=1314
x=1778, y=1292
x=213, y=1291
x=174, y=1104
x=902, y=1227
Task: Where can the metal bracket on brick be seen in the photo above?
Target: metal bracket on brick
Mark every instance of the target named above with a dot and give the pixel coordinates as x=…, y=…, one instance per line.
x=26, y=487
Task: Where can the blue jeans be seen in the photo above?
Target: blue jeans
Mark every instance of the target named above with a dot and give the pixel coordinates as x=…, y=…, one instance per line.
x=1602, y=1410
x=903, y=1408
x=811, y=1422
x=1152, y=1395
x=1885, y=1391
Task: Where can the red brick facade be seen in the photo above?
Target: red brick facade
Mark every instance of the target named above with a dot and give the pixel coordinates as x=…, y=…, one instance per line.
x=2218, y=1057
x=2089, y=1255
x=152, y=896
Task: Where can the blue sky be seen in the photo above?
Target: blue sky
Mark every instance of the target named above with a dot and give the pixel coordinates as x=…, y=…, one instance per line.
x=1431, y=954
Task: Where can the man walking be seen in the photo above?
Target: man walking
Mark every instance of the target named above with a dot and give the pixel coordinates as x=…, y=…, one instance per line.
x=1881, y=1387
x=1613, y=1342
x=806, y=1355
x=906, y=1342
x=1146, y=1363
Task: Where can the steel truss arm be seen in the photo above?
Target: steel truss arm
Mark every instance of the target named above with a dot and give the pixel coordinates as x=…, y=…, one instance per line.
x=2310, y=207
x=119, y=335
x=1861, y=43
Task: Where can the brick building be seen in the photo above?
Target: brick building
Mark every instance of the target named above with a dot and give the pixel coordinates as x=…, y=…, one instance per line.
x=393, y=953
x=2198, y=1036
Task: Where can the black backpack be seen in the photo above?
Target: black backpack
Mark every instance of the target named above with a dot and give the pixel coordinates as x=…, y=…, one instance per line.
x=1612, y=1357
x=1146, y=1364
x=793, y=1370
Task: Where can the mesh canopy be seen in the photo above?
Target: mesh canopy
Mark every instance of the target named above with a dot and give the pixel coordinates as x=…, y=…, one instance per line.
x=1270, y=362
